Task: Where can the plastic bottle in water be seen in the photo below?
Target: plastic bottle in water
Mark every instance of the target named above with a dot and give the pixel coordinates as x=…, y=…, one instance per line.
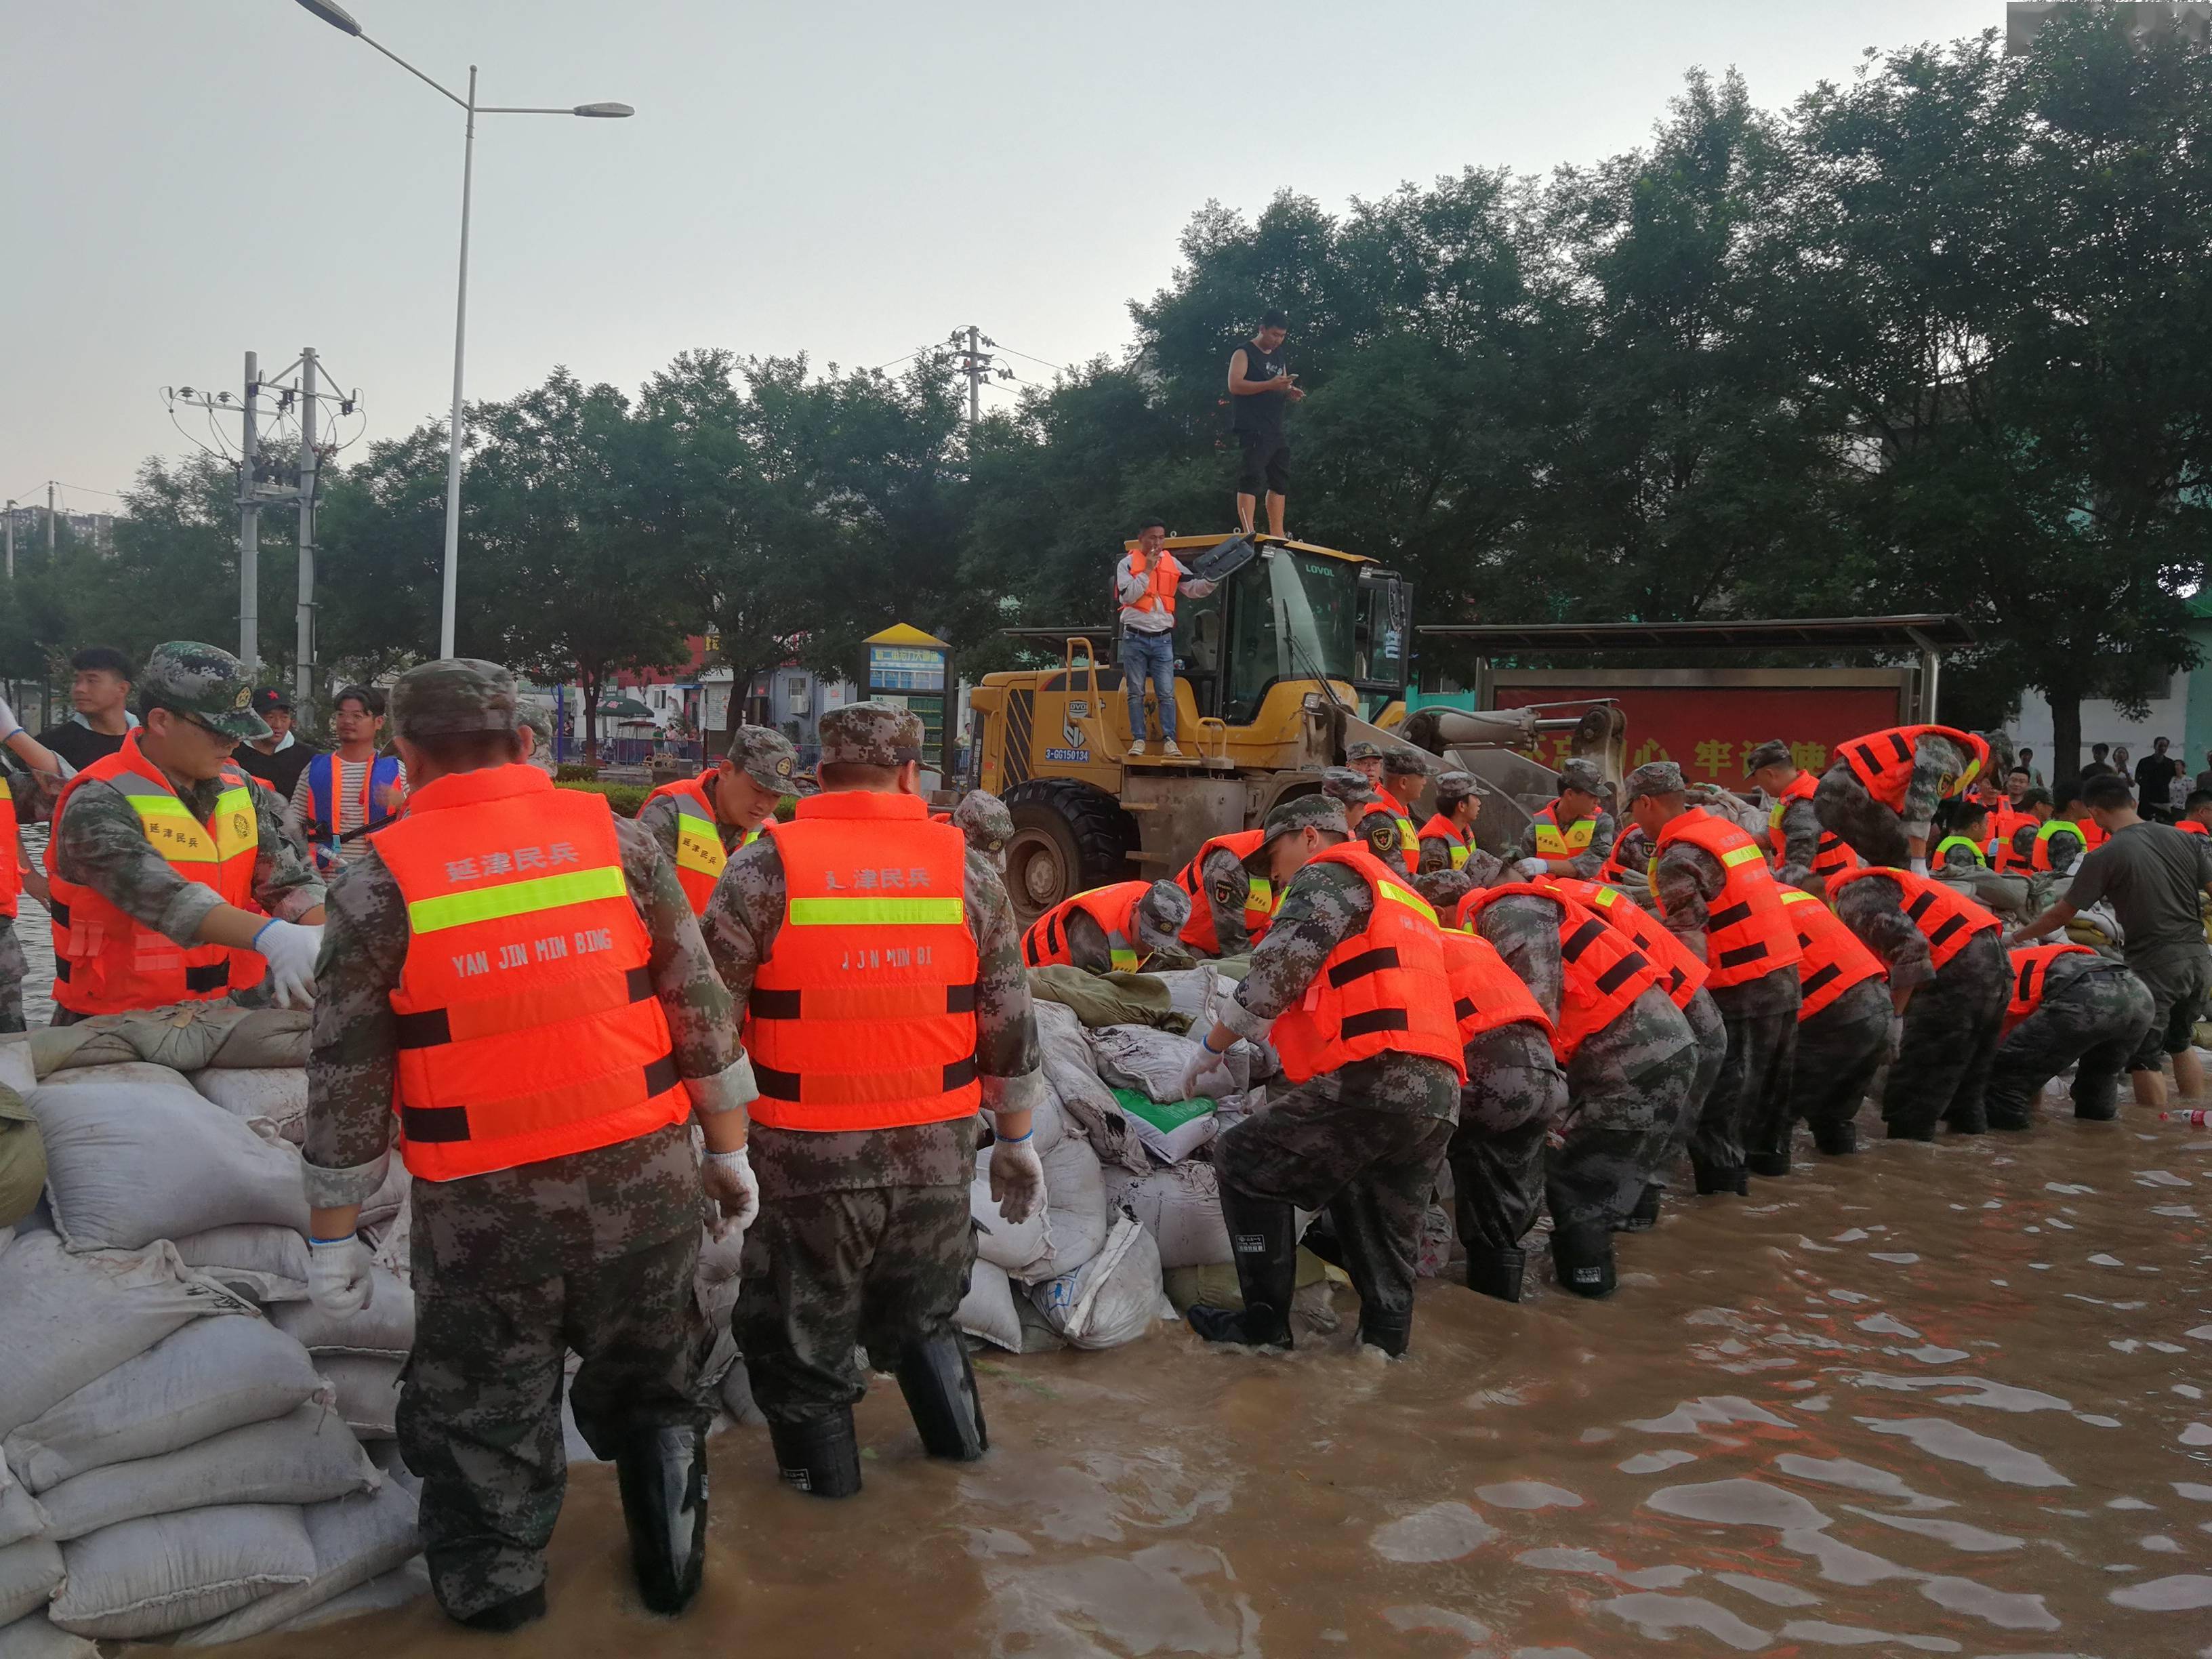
x=2197, y=1118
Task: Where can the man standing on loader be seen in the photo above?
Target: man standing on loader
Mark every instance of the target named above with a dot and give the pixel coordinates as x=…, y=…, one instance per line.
x=1146, y=583
x=1260, y=388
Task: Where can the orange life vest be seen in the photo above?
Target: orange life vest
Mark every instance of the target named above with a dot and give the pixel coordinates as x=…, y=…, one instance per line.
x=2031, y=968
x=1603, y=972
x=528, y=1027
x=1409, y=841
x=863, y=1017
x=1554, y=842
x=2086, y=830
x=2004, y=826
x=2191, y=827
x=1747, y=934
x=1831, y=853
x=1682, y=975
x=1259, y=893
x=1945, y=920
x=11, y=874
x=1882, y=761
x=1383, y=990
x=1159, y=592
x=1486, y=992
x=1440, y=828
x=699, y=856
x=108, y=963
x=1832, y=959
x=1113, y=908
x=1613, y=870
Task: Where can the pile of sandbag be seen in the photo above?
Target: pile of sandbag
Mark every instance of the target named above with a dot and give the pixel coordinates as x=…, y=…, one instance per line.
x=189, y=1449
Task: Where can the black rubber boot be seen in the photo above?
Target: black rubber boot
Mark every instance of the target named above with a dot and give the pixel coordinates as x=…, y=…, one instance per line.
x=1769, y=1164
x=2101, y=1111
x=2013, y=1123
x=513, y=1614
x=1719, y=1177
x=940, y=1386
x=1496, y=1273
x=1390, y=1332
x=662, y=1474
x=1645, y=1216
x=1320, y=1238
x=1905, y=1132
x=1581, y=1257
x=819, y=1455
x=1263, y=1234
x=1836, y=1139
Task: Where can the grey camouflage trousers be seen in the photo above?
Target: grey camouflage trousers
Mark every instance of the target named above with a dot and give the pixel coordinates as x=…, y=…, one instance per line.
x=1874, y=832
x=1625, y=1090
x=1748, y=1111
x=1951, y=1027
x=1839, y=1053
x=1515, y=1094
x=13, y=968
x=2094, y=1022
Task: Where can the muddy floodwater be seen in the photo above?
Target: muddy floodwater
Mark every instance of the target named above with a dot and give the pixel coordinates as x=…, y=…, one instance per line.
x=1929, y=1400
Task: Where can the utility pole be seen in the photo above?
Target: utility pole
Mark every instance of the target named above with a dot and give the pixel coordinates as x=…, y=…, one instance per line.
x=304, y=657
x=11, y=541
x=50, y=522
x=971, y=358
x=249, y=526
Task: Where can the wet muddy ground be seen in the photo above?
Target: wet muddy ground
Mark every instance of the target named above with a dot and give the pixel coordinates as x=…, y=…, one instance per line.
x=1932, y=1399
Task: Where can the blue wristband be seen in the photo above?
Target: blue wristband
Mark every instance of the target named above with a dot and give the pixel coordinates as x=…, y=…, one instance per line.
x=1016, y=1140
x=348, y=1239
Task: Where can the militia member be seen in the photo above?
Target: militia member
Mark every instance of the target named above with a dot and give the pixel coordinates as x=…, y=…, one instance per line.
x=533, y=724
x=2064, y=836
x=878, y=963
x=1448, y=838
x=1365, y=758
x=172, y=878
x=1230, y=908
x=2196, y=814
x=1947, y=977
x=514, y=982
x=1881, y=791
x=1572, y=834
x=17, y=873
x=1629, y=1057
x=1118, y=929
x=1377, y=816
x=982, y=818
x=1350, y=987
x=1843, y=1025
x=1803, y=854
x=1966, y=829
x=2069, y=1006
x=1713, y=886
x=1406, y=774
x=700, y=821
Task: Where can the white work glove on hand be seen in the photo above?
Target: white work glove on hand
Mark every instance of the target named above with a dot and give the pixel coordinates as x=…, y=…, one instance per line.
x=1016, y=1179
x=338, y=1275
x=729, y=1180
x=1920, y=866
x=291, y=950
x=1530, y=869
x=10, y=726
x=1206, y=1075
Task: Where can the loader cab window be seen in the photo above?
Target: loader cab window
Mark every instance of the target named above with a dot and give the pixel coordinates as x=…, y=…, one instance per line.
x=1291, y=617
x=1198, y=645
x=1383, y=639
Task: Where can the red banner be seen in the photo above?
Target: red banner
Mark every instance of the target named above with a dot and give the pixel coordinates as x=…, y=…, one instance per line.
x=1709, y=731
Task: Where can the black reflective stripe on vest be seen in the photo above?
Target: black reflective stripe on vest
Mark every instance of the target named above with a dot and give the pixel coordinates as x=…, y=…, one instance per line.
x=430, y=1125
x=1903, y=749
x=1720, y=921
x=1819, y=980
x=59, y=911
x=2027, y=981
x=1742, y=954
x=1375, y=1019
x=784, y=1085
x=788, y=1005
x=209, y=976
x=1579, y=940
x=62, y=968
x=1950, y=926
x=1359, y=967
x=1621, y=973
x=1463, y=1009
x=432, y=1026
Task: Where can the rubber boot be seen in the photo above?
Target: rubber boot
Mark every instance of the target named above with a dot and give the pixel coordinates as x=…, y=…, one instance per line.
x=1719, y=1177
x=1645, y=1216
x=1496, y=1273
x=1837, y=1139
x=1581, y=1257
x=819, y=1455
x=1907, y=1132
x=513, y=1614
x=662, y=1474
x=940, y=1386
x=1768, y=1164
x=1263, y=1233
x=1390, y=1331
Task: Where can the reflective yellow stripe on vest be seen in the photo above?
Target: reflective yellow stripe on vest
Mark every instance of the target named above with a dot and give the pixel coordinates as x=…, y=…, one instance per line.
x=1121, y=954
x=1552, y=843
x=1737, y=855
x=179, y=836
x=877, y=911
x=699, y=845
x=516, y=898
x=1459, y=853
x=1258, y=896
x=1392, y=890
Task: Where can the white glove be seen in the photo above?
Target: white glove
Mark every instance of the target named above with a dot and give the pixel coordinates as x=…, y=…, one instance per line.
x=1206, y=1075
x=338, y=1275
x=10, y=726
x=1530, y=869
x=1920, y=866
x=728, y=1179
x=291, y=950
x=1016, y=1179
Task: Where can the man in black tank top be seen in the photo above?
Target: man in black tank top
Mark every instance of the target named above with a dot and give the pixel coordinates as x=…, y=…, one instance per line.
x=1259, y=386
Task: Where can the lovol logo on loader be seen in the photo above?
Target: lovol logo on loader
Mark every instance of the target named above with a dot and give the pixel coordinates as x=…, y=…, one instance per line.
x=1077, y=751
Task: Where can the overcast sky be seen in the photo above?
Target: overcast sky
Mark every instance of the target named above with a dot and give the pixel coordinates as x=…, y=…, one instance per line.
x=188, y=179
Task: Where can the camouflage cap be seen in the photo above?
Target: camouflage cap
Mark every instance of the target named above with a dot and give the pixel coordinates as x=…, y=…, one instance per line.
x=871, y=733
x=2001, y=750
x=1406, y=763
x=206, y=683
x=1352, y=789
x=766, y=758
x=983, y=818
x=1773, y=752
x=1454, y=786
x=453, y=698
x=1655, y=778
x=539, y=718
x=1161, y=913
x=1363, y=751
x=1289, y=817
x=1583, y=775
x=1444, y=889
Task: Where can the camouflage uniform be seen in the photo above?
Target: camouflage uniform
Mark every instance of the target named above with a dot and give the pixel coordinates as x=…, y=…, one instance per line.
x=1840, y=1051
x=1157, y=921
x=1624, y=1086
x=1363, y=1143
x=765, y=756
x=539, y=719
x=1355, y=793
x=2062, y=849
x=1583, y=775
x=1224, y=884
x=1874, y=832
x=13, y=967
x=1515, y=1095
x=983, y=818
x=865, y=1236
x=101, y=843
x=594, y=1251
x=1952, y=1024
x=1452, y=788
x=2093, y=1015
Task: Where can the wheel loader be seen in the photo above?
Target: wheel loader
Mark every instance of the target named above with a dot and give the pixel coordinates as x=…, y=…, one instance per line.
x=1297, y=651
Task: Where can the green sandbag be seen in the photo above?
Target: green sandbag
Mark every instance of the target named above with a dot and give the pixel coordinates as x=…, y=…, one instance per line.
x=1103, y=1000
x=22, y=1158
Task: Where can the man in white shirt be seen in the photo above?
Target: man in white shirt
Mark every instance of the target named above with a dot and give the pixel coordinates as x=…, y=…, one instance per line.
x=341, y=795
x=1145, y=584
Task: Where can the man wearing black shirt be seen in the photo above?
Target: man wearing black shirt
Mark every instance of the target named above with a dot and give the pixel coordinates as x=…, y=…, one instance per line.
x=279, y=758
x=1260, y=385
x=100, y=693
x=2155, y=776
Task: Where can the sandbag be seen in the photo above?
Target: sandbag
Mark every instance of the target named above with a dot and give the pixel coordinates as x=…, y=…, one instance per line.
x=183, y=1038
x=1111, y=1299
x=22, y=1157
x=168, y=1572
x=35, y=1637
x=1087, y=1105
x=354, y=1539
x=278, y=1094
x=1075, y=1210
x=67, y=1319
x=130, y=1074
x=367, y=1392
x=279, y=1252
x=379, y=1208
x=129, y=1163
x=987, y=1311
x=410, y=1581
x=1115, y=999
x=1138, y=1057
x=21, y=1516
x=305, y=1456
x=213, y=1376
x=715, y=1286
x=29, y=1570
x=18, y=1070
x=385, y=1329
x=736, y=1391
x=1013, y=1247
x=1181, y=1207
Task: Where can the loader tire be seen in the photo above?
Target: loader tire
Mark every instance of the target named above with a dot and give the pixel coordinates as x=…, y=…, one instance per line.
x=1068, y=838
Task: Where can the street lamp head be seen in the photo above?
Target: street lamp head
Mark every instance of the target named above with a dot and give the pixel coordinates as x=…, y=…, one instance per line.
x=597, y=111
x=336, y=16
